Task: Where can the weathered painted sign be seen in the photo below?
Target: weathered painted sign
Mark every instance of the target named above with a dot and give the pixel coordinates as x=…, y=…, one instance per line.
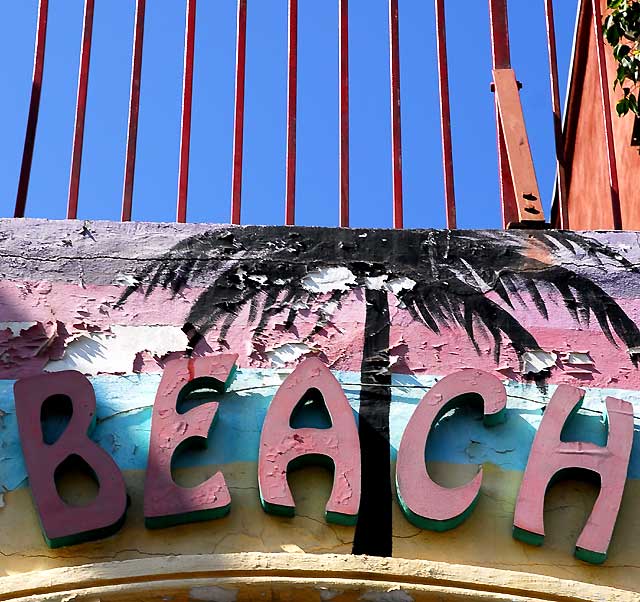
x=462, y=358
x=283, y=447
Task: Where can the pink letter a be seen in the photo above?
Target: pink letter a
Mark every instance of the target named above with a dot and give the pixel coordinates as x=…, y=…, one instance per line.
x=280, y=444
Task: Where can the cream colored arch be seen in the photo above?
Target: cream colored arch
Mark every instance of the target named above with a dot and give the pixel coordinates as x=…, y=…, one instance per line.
x=292, y=578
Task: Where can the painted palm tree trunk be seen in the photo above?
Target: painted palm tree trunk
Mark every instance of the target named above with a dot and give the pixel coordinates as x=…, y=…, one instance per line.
x=373, y=534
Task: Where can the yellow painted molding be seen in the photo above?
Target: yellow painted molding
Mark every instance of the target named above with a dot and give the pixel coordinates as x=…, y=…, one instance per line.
x=292, y=577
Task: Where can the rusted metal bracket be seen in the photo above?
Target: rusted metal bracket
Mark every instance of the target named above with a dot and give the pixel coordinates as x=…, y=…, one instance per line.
x=520, y=194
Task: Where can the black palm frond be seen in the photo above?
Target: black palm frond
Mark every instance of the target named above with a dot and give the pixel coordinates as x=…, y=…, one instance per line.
x=471, y=279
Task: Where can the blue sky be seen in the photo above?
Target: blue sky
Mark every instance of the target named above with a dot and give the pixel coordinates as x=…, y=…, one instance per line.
x=264, y=156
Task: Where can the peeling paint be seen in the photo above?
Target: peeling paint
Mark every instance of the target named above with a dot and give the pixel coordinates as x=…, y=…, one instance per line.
x=580, y=358
x=395, y=286
x=115, y=299
x=286, y=354
x=330, y=279
x=376, y=283
x=16, y=328
x=535, y=362
x=124, y=420
x=398, y=285
x=115, y=352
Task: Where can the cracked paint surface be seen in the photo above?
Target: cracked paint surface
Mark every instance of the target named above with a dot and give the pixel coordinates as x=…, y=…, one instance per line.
x=535, y=309
x=124, y=406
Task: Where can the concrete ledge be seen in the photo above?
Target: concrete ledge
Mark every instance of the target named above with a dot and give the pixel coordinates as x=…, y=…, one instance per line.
x=292, y=577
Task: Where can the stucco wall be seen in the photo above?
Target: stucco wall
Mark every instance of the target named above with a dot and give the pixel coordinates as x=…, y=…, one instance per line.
x=589, y=198
x=389, y=312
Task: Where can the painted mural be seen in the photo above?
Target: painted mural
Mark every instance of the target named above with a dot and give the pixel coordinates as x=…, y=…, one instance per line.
x=389, y=313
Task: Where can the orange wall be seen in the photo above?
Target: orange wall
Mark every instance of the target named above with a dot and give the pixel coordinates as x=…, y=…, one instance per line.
x=589, y=199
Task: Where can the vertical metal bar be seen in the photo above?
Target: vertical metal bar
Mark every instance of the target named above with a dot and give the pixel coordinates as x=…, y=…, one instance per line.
x=292, y=106
x=606, y=116
x=445, y=115
x=344, y=113
x=500, y=48
x=557, y=115
x=396, y=125
x=34, y=107
x=81, y=111
x=187, y=94
x=134, y=109
x=238, y=124
x=501, y=58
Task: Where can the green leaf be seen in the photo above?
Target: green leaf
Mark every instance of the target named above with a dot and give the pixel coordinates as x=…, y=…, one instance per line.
x=621, y=50
x=613, y=35
x=621, y=29
x=622, y=108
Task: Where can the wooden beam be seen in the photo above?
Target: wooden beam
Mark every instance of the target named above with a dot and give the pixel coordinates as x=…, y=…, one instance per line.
x=525, y=185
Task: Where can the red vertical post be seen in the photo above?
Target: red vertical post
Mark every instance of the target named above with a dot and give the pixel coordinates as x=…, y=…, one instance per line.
x=238, y=124
x=344, y=113
x=34, y=107
x=292, y=106
x=134, y=108
x=445, y=115
x=500, y=48
x=612, y=164
x=187, y=94
x=81, y=111
x=557, y=114
x=396, y=125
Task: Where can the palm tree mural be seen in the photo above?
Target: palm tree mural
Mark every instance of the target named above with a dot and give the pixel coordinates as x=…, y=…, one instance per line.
x=450, y=274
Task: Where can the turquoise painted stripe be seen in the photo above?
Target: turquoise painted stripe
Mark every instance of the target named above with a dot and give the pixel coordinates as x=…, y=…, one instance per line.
x=124, y=421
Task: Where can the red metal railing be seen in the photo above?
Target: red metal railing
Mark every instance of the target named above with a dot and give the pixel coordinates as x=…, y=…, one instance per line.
x=34, y=109
x=292, y=114
x=344, y=113
x=519, y=190
x=187, y=102
x=445, y=115
x=81, y=110
x=238, y=126
x=134, y=109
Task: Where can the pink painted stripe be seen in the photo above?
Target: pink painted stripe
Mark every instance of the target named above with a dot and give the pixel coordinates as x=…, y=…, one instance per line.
x=71, y=311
